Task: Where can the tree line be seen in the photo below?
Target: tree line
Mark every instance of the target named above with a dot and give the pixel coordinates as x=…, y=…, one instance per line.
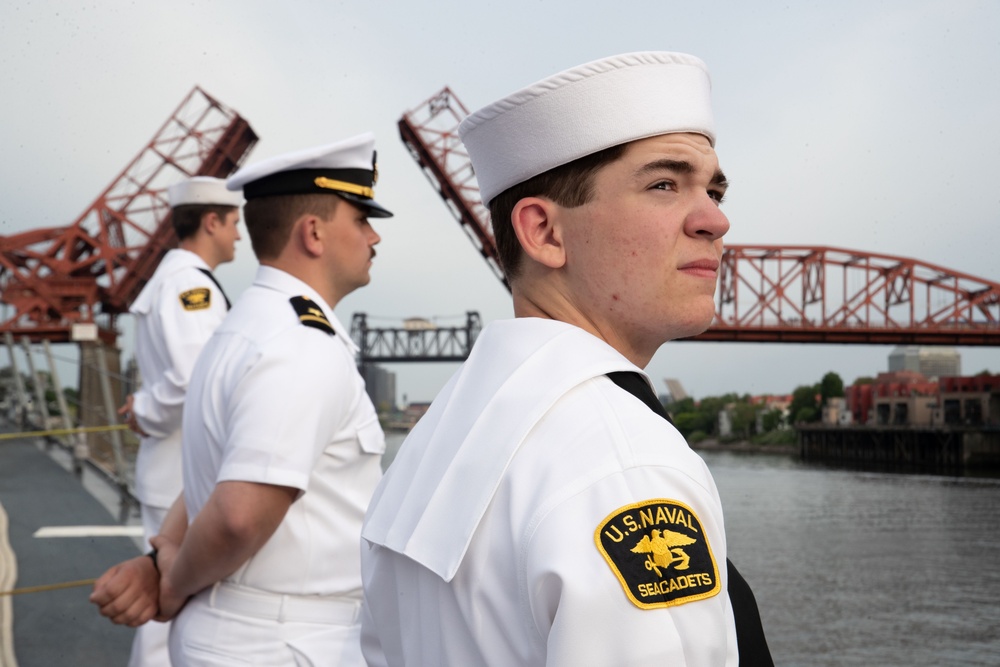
x=699, y=420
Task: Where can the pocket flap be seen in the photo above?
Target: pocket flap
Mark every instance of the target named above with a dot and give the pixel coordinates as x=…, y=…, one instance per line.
x=371, y=437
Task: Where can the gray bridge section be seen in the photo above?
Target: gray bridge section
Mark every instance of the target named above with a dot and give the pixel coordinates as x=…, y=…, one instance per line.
x=418, y=341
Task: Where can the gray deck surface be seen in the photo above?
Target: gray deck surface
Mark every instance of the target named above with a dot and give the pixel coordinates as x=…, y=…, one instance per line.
x=60, y=627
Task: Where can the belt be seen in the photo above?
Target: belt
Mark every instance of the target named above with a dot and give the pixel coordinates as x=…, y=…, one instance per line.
x=328, y=609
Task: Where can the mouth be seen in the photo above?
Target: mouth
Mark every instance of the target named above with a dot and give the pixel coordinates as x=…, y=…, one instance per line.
x=706, y=268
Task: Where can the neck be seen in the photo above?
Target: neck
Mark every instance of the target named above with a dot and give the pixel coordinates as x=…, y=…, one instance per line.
x=547, y=300
x=307, y=272
x=204, y=250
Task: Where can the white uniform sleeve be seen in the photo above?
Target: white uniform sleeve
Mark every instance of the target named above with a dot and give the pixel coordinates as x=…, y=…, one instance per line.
x=577, y=596
x=278, y=428
x=158, y=406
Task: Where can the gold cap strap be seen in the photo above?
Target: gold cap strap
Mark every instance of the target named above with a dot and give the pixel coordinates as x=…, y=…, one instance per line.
x=344, y=186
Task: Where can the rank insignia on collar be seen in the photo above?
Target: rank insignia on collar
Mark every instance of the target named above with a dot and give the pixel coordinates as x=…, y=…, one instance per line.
x=311, y=315
x=659, y=552
x=198, y=298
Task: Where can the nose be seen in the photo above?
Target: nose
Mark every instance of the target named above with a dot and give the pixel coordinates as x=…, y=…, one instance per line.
x=706, y=220
x=375, y=239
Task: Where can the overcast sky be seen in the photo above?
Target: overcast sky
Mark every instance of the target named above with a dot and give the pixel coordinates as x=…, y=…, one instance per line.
x=861, y=124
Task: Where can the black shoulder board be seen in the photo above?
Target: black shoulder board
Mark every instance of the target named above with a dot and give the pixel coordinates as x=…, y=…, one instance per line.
x=311, y=315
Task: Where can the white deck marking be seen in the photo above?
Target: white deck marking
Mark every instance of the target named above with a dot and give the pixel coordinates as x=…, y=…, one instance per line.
x=89, y=531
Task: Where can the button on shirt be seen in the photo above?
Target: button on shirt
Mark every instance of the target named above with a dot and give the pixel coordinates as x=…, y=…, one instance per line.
x=485, y=527
x=273, y=401
x=171, y=329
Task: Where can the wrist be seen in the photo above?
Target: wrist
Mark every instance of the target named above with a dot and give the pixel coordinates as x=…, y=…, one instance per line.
x=152, y=555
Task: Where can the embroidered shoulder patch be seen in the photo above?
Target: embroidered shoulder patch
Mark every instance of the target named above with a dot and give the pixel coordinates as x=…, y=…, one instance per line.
x=310, y=314
x=659, y=552
x=198, y=298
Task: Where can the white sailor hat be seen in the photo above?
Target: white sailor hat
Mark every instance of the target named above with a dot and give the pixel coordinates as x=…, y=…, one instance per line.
x=203, y=190
x=583, y=110
x=345, y=168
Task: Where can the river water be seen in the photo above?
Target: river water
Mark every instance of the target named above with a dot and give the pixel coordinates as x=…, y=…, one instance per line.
x=860, y=568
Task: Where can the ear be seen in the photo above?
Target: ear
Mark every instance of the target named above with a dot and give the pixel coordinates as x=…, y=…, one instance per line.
x=536, y=224
x=210, y=222
x=309, y=233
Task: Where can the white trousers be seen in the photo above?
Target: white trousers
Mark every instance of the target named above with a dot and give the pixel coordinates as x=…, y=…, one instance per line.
x=205, y=635
x=149, y=646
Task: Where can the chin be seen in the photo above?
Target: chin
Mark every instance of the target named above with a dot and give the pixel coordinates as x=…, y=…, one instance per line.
x=692, y=326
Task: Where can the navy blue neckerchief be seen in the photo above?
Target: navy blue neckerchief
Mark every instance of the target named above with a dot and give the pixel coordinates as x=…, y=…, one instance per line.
x=749, y=631
x=212, y=278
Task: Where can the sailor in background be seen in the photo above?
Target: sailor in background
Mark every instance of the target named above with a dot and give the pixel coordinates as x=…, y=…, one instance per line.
x=544, y=511
x=282, y=446
x=176, y=313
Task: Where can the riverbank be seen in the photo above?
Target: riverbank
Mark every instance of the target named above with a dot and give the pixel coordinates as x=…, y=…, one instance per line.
x=746, y=447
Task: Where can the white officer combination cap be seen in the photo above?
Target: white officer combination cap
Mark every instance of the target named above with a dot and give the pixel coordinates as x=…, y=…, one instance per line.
x=586, y=109
x=344, y=168
x=203, y=190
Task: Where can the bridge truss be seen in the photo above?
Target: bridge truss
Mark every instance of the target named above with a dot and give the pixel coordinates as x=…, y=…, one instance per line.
x=403, y=344
x=806, y=294
x=430, y=133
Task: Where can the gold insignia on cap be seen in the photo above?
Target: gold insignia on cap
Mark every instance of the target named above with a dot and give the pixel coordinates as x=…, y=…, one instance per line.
x=198, y=298
x=374, y=168
x=659, y=553
x=344, y=186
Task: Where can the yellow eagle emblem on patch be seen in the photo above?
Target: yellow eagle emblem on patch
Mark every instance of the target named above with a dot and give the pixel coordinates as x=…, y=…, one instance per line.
x=659, y=553
x=198, y=298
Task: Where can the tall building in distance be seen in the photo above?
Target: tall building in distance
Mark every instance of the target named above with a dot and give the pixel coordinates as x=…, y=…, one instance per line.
x=675, y=391
x=381, y=387
x=931, y=362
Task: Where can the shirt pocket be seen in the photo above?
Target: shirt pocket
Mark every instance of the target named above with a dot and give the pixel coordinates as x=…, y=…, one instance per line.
x=371, y=437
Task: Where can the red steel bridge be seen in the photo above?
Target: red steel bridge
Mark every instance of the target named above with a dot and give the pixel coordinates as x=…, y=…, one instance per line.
x=767, y=293
x=55, y=279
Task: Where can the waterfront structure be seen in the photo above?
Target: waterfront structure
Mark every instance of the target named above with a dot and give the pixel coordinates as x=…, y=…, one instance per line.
x=970, y=400
x=931, y=362
x=381, y=387
x=836, y=412
x=908, y=398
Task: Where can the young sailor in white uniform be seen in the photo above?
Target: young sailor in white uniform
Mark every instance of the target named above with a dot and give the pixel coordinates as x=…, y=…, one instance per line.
x=175, y=313
x=282, y=446
x=544, y=511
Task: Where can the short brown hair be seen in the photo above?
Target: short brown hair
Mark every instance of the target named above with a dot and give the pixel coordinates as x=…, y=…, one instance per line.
x=186, y=218
x=569, y=185
x=269, y=220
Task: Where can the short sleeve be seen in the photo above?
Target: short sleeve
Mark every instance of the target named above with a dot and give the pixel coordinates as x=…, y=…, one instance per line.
x=656, y=595
x=188, y=310
x=278, y=427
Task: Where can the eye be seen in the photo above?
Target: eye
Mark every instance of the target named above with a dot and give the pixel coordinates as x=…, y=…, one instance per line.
x=663, y=185
x=718, y=196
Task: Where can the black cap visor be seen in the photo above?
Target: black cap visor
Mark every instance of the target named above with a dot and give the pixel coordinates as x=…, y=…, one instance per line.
x=374, y=209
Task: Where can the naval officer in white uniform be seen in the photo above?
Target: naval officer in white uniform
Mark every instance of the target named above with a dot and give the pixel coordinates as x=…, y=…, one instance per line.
x=176, y=313
x=282, y=446
x=545, y=511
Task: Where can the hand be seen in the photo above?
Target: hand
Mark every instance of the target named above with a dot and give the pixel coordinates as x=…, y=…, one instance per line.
x=128, y=593
x=129, y=416
x=170, y=602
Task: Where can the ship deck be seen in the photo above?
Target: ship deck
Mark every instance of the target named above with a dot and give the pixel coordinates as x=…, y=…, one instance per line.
x=54, y=627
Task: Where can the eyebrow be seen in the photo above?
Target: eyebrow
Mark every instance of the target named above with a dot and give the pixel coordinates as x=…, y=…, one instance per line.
x=680, y=167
